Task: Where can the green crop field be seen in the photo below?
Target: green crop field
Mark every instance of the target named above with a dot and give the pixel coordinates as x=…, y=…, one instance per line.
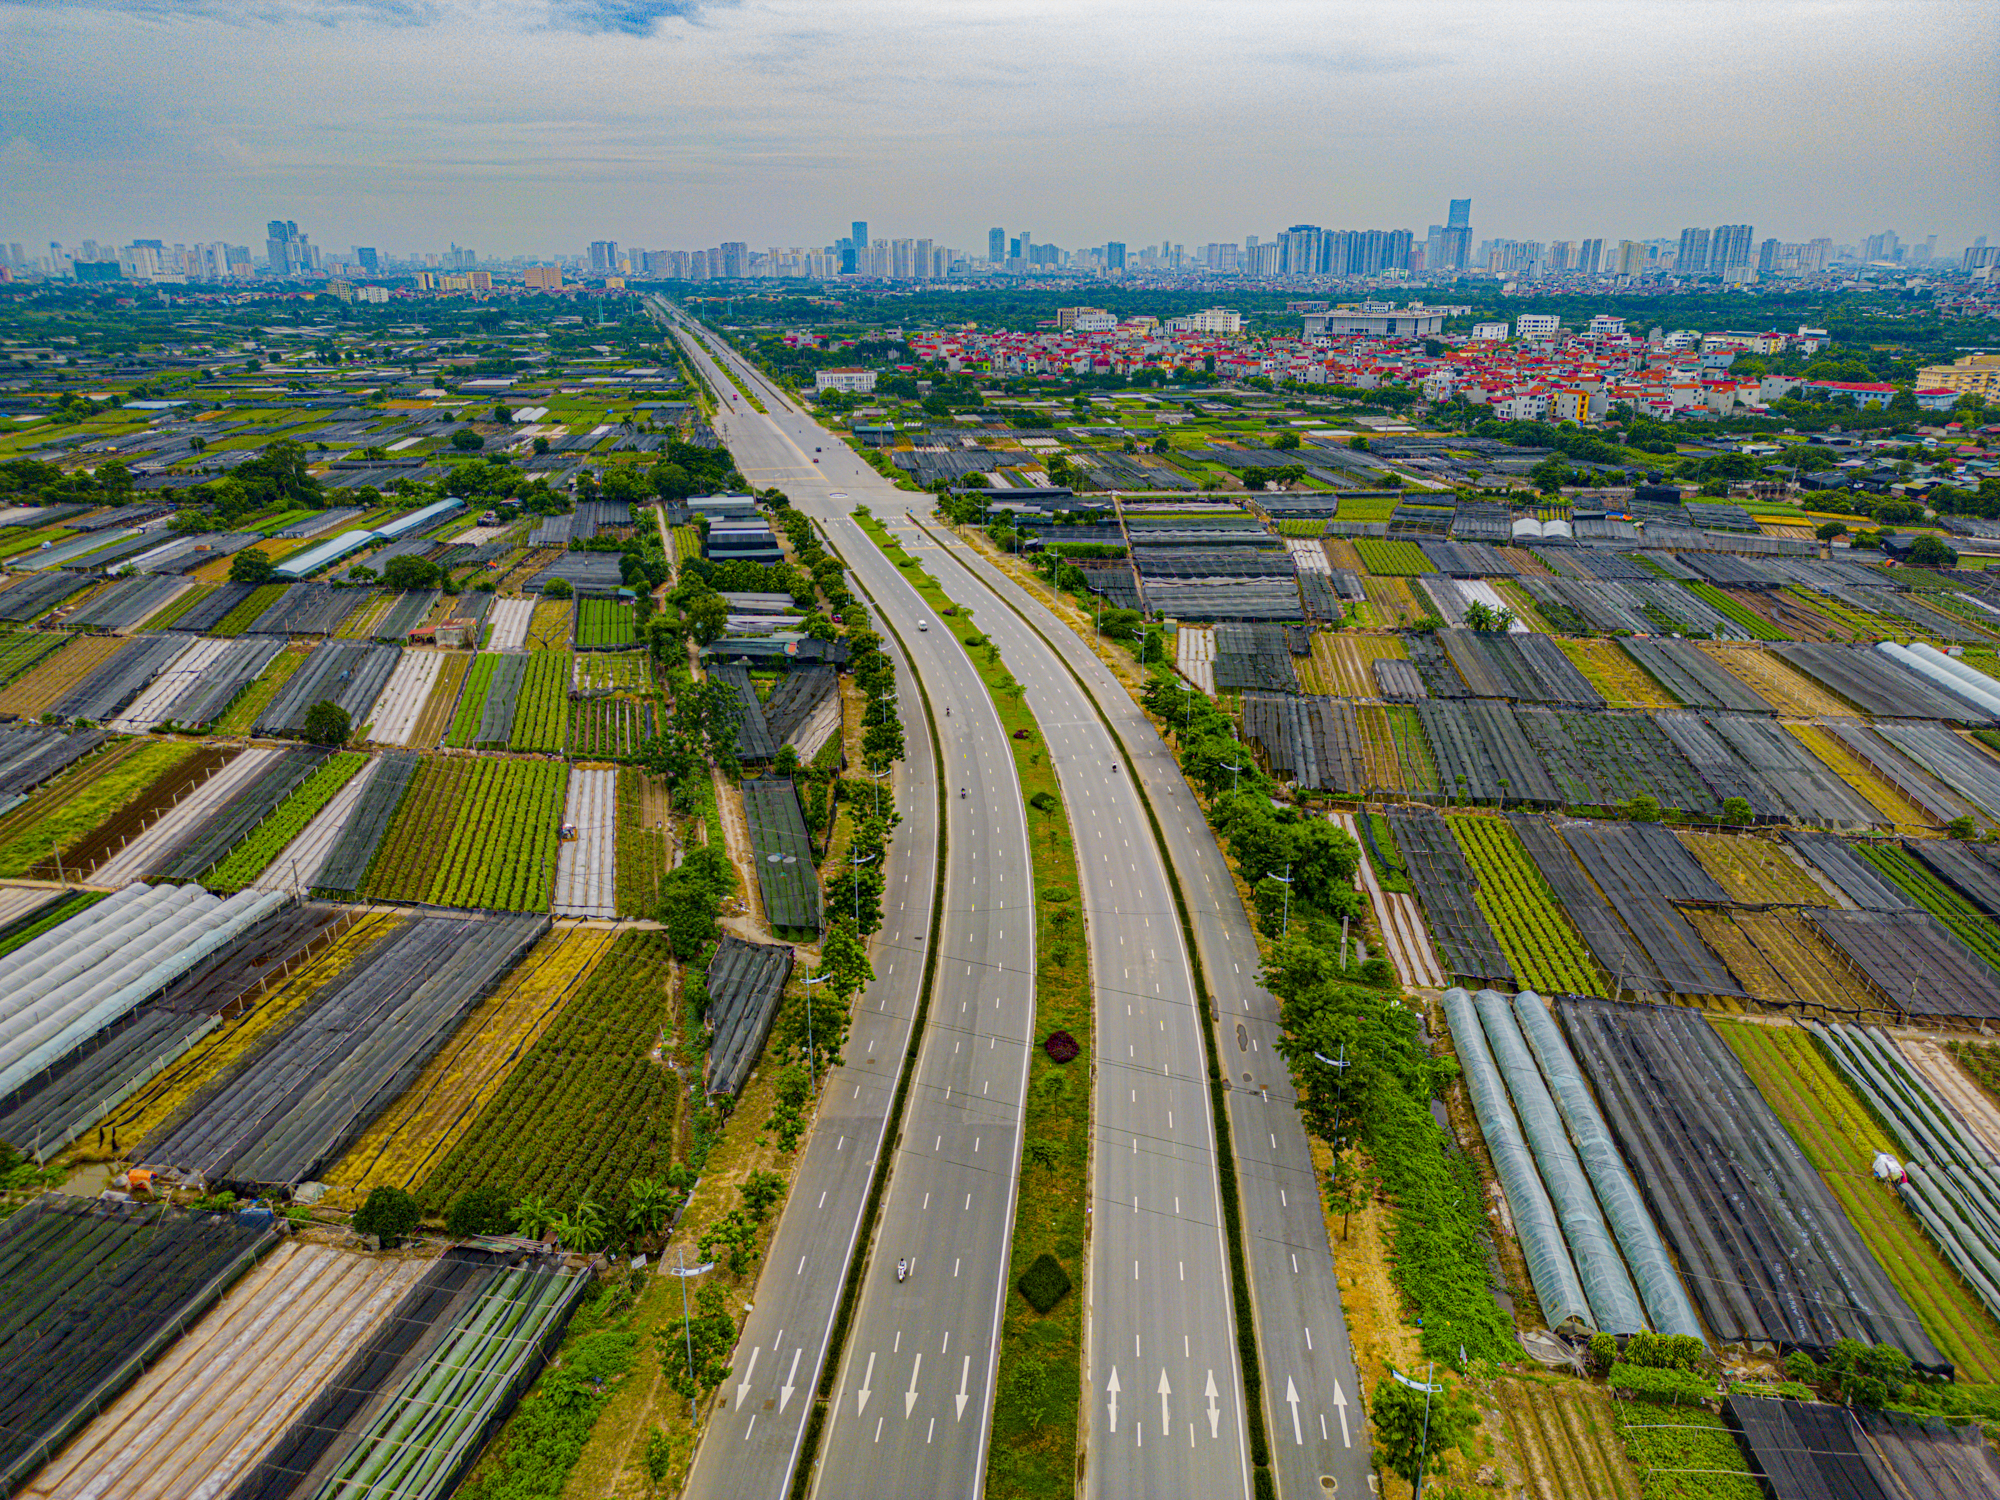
x=1546, y=953
x=1840, y=1138
x=1393, y=559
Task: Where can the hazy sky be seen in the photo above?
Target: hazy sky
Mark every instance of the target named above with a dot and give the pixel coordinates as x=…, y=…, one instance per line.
x=520, y=126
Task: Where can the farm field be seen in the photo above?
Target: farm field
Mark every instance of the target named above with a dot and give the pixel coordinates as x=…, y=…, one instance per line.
x=645, y=848
x=589, y=1109
x=394, y=717
x=360, y=625
x=1388, y=559
x=439, y=708
x=1547, y=955
x=612, y=672
x=200, y=1418
x=1757, y=872
x=473, y=832
x=541, y=713
x=549, y=626
x=606, y=622
x=71, y=817
x=586, y=866
x=45, y=799
x=1340, y=660
x=23, y=648
x=1391, y=601
x=1781, y=960
x=1841, y=1140
x=1900, y=811
x=137, y=854
x=264, y=843
x=507, y=624
x=1622, y=681
x=245, y=711
x=241, y=618
x=298, y=864
x=1966, y=921
x=44, y=684
x=427, y=1120
x=1776, y=683
x=471, y=701
x=608, y=728
x=1562, y=1439
x=173, y=1086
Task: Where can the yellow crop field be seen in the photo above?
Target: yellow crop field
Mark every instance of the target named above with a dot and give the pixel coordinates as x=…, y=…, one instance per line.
x=145, y=1112
x=1622, y=681
x=1892, y=804
x=1340, y=662
x=419, y=1130
x=1771, y=679
x=34, y=690
x=1394, y=603
x=1755, y=871
x=1779, y=959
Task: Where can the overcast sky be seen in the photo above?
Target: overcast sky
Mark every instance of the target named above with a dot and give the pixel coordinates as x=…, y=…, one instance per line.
x=535, y=126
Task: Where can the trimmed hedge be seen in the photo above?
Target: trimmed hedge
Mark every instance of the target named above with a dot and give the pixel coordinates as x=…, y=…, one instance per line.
x=1044, y=1284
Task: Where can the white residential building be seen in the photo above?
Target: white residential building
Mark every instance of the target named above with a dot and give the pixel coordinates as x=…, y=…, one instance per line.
x=1537, y=326
x=1490, y=333
x=852, y=379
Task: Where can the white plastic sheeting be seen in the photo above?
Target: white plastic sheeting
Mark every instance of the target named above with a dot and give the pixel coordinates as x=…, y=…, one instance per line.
x=1964, y=680
x=1598, y=1267
x=1646, y=1256
x=74, y=980
x=1931, y=672
x=1557, y=1286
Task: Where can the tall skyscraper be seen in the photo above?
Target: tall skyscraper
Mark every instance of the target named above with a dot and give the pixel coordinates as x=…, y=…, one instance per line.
x=1767, y=257
x=289, y=251
x=735, y=260
x=1114, y=256
x=604, y=257
x=371, y=262
x=860, y=236
x=1693, y=257
x=1590, y=257
x=1729, y=247
x=996, y=245
x=1460, y=216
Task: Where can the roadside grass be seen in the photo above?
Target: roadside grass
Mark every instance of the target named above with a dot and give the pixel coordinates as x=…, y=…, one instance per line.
x=1038, y=1387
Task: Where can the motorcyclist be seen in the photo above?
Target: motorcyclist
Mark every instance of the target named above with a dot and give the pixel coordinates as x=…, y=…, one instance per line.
x=902, y=1269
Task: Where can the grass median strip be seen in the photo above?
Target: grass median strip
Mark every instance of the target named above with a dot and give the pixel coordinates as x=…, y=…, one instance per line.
x=1040, y=1379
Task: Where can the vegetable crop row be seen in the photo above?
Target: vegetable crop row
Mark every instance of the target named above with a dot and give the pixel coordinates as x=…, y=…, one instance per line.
x=472, y=701
x=1546, y=953
x=286, y=822
x=541, y=712
x=607, y=622
x=588, y=1110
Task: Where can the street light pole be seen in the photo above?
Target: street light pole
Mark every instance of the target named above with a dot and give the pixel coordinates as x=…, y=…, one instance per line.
x=1285, y=880
x=854, y=881
x=811, y=1046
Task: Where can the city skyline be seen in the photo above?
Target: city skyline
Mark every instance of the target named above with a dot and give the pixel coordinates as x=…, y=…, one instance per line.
x=548, y=121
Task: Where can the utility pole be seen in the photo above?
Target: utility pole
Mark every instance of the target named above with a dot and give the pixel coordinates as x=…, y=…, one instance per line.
x=1423, y=1452
x=854, y=881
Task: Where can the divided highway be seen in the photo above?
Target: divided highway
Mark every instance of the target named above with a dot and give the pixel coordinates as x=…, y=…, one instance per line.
x=1155, y=1213
x=913, y=1398
x=1311, y=1389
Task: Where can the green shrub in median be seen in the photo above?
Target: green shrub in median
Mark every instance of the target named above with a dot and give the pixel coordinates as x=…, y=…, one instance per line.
x=1044, y=1284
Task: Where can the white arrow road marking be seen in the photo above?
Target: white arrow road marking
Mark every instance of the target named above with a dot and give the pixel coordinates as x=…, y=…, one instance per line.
x=964, y=1373
x=910, y=1396
x=743, y=1386
x=1112, y=1386
x=1340, y=1403
x=785, y=1391
x=1214, y=1411
x=861, y=1396
x=1292, y=1400
x=1165, y=1391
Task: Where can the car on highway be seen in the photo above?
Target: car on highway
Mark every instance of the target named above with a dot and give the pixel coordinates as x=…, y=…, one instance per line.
x=923, y=624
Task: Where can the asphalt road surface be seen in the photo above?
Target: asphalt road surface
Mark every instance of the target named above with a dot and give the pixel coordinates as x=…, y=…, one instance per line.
x=1153, y=1136
x=913, y=1400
